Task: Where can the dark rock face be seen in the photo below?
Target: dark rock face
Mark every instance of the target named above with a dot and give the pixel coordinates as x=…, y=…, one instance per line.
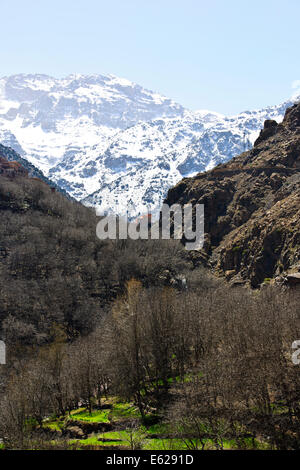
x=252, y=205
x=292, y=117
x=270, y=128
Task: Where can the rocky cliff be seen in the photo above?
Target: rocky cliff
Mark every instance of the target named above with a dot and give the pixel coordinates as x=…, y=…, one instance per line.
x=252, y=206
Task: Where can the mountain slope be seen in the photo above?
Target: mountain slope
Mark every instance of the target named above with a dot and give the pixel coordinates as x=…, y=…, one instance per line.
x=252, y=206
x=54, y=271
x=12, y=156
x=49, y=117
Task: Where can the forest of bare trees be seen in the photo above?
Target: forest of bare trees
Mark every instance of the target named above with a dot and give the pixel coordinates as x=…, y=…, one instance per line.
x=84, y=319
x=211, y=362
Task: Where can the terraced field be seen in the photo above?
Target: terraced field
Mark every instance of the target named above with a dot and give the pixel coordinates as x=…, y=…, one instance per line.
x=118, y=425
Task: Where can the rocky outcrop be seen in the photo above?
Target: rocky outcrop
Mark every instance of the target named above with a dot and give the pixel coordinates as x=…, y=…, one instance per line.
x=270, y=129
x=252, y=206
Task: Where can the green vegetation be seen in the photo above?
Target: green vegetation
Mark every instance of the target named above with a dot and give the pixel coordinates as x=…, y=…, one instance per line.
x=124, y=410
x=152, y=437
x=97, y=416
x=54, y=425
x=236, y=249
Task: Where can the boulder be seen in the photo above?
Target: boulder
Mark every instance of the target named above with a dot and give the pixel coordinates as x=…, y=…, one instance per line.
x=270, y=129
x=75, y=432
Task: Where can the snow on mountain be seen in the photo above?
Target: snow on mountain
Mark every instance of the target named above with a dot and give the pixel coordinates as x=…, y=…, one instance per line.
x=113, y=144
x=144, y=161
x=49, y=117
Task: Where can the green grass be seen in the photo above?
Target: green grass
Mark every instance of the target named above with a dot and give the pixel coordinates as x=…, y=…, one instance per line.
x=158, y=428
x=94, y=441
x=117, y=438
x=120, y=438
x=178, y=444
x=153, y=436
x=97, y=416
x=122, y=435
x=124, y=410
x=56, y=424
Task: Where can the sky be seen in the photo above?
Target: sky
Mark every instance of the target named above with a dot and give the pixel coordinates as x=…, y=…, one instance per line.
x=222, y=55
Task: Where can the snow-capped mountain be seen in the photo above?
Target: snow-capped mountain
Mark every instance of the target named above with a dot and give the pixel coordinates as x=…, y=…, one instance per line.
x=48, y=116
x=144, y=161
x=111, y=143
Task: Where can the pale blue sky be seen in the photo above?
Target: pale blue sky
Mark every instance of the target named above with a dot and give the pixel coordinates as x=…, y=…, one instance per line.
x=222, y=55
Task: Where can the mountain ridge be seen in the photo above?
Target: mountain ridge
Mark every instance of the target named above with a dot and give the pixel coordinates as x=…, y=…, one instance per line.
x=252, y=207
x=112, y=144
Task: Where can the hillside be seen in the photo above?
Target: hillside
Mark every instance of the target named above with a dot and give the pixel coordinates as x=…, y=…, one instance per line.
x=53, y=268
x=252, y=206
x=11, y=156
